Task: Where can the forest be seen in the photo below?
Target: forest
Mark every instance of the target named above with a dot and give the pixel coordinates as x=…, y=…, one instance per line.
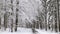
x=34, y=14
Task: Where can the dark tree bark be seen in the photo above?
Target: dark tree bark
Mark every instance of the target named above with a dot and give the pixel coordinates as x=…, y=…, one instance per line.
x=16, y=19
x=12, y=25
x=33, y=26
x=45, y=14
x=5, y=21
x=58, y=15
x=16, y=15
x=0, y=23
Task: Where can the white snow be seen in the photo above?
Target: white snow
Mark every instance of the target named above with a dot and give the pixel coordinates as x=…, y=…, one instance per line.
x=27, y=31
x=45, y=32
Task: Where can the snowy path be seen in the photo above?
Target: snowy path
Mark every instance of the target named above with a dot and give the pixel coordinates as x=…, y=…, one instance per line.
x=27, y=31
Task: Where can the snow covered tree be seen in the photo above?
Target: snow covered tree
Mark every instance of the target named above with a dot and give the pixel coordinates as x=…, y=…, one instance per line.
x=53, y=14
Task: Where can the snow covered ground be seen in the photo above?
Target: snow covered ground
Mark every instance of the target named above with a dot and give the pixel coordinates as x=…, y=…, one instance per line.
x=28, y=31
x=45, y=32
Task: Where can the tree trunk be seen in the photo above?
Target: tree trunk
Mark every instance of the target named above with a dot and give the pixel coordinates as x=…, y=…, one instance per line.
x=5, y=21
x=0, y=23
x=12, y=25
x=58, y=15
x=16, y=19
